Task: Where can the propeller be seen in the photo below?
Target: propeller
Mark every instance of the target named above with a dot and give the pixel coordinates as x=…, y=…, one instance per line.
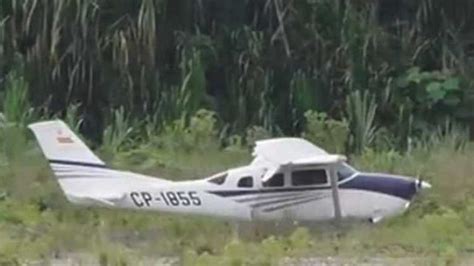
x=421, y=184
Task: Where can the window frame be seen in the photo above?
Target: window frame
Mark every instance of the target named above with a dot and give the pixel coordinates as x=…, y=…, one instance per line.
x=344, y=179
x=325, y=170
x=252, y=183
x=273, y=176
x=218, y=176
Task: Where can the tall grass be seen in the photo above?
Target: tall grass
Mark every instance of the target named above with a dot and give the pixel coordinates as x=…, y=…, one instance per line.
x=16, y=105
x=361, y=110
x=118, y=132
x=15, y=116
x=258, y=63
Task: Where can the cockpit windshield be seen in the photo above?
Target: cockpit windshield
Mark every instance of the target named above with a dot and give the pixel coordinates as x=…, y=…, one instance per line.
x=344, y=171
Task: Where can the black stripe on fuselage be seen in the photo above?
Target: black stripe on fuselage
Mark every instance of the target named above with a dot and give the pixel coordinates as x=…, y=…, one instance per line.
x=76, y=163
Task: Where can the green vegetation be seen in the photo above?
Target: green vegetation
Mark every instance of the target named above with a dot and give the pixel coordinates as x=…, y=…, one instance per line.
x=37, y=224
x=394, y=68
x=153, y=85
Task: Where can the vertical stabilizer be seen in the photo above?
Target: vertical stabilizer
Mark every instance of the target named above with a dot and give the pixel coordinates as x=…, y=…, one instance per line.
x=60, y=144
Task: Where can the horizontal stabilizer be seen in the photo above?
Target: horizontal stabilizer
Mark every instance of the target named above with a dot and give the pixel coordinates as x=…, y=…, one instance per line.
x=87, y=200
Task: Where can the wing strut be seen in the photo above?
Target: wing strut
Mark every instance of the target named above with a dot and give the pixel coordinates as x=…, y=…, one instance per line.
x=335, y=192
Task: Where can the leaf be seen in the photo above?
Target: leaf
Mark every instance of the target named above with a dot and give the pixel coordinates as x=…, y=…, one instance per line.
x=414, y=71
x=402, y=82
x=435, y=91
x=438, y=75
x=452, y=100
x=451, y=84
x=414, y=75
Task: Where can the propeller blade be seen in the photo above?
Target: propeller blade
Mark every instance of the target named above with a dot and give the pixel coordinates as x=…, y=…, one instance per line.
x=425, y=185
x=421, y=184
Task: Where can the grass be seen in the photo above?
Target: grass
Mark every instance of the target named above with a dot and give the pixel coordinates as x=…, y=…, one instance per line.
x=37, y=224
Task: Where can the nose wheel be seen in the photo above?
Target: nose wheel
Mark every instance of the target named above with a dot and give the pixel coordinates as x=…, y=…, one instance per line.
x=377, y=216
x=375, y=219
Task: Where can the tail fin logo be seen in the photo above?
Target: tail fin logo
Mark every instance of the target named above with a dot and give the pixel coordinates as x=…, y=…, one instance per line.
x=63, y=139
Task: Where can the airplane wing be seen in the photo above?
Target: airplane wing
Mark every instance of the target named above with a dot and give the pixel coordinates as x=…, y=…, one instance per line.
x=280, y=152
x=284, y=150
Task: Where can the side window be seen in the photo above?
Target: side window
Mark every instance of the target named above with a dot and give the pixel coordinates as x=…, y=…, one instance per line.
x=309, y=177
x=277, y=180
x=218, y=179
x=245, y=182
x=344, y=171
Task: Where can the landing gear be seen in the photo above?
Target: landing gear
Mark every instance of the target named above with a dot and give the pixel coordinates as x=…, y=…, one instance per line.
x=375, y=219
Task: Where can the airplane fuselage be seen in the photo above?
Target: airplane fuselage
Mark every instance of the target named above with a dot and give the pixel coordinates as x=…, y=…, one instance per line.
x=289, y=178
x=362, y=196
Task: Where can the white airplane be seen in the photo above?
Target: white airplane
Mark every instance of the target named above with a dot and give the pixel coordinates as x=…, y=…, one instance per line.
x=289, y=178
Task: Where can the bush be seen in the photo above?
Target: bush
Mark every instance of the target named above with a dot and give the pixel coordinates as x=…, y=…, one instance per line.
x=14, y=143
x=371, y=160
x=468, y=213
x=270, y=251
x=449, y=256
x=202, y=131
x=113, y=256
x=9, y=258
x=117, y=133
x=16, y=107
x=361, y=110
x=327, y=133
x=255, y=134
x=444, y=228
x=236, y=252
x=200, y=134
x=299, y=240
x=426, y=89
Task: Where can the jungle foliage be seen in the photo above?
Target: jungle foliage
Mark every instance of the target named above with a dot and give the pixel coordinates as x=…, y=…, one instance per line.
x=391, y=68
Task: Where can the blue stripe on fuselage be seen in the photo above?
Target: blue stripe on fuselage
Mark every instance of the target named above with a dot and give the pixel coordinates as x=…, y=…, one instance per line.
x=389, y=185
x=394, y=186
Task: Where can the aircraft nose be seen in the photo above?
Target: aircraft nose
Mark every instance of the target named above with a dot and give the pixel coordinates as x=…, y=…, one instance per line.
x=418, y=184
x=399, y=186
x=403, y=187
